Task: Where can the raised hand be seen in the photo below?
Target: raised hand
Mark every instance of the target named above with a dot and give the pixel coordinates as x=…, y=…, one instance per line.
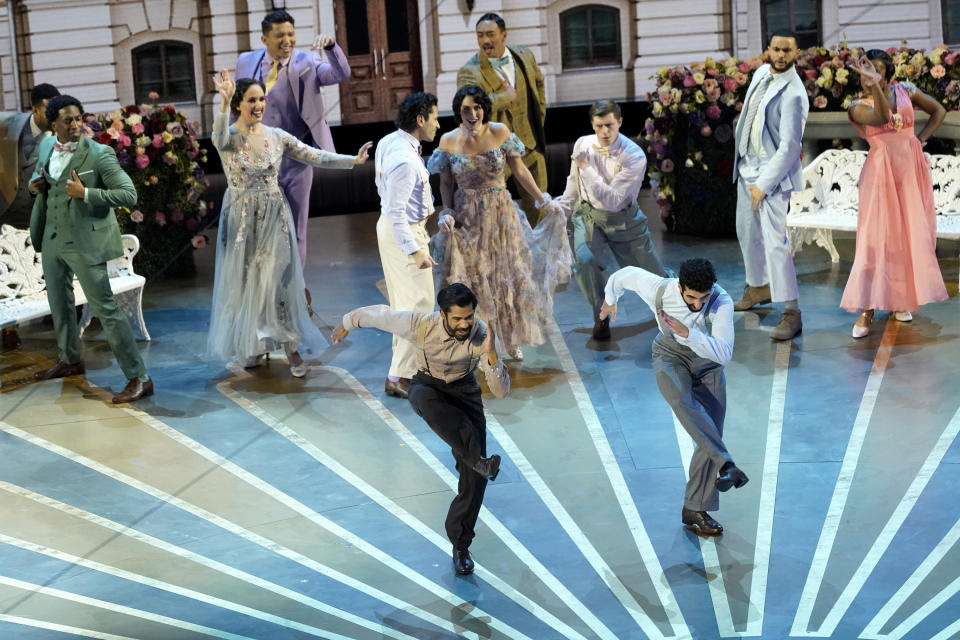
x=225, y=87
x=322, y=41
x=869, y=76
x=363, y=154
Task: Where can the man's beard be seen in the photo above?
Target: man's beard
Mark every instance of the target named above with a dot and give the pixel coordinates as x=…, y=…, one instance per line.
x=459, y=336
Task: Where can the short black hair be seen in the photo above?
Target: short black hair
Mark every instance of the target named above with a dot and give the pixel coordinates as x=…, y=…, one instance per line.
x=601, y=108
x=493, y=17
x=242, y=85
x=456, y=294
x=278, y=16
x=59, y=102
x=697, y=274
x=884, y=57
x=42, y=92
x=479, y=96
x=415, y=104
x=783, y=33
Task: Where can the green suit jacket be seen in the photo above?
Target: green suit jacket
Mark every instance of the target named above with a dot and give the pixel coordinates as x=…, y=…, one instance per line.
x=524, y=115
x=90, y=225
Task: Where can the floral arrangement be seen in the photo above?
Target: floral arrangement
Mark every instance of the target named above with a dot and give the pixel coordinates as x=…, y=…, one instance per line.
x=689, y=136
x=159, y=150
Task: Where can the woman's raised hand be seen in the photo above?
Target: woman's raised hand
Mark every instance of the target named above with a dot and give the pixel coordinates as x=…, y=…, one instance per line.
x=869, y=76
x=225, y=86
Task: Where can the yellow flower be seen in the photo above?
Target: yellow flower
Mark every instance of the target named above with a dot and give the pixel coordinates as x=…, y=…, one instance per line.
x=657, y=109
x=710, y=64
x=699, y=97
x=846, y=102
x=936, y=56
x=842, y=76
x=662, y=71
x=167, y=137
x=699, y=78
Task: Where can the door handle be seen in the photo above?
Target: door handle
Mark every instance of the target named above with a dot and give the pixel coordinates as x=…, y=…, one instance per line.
x=383, y=62
x=376, y=65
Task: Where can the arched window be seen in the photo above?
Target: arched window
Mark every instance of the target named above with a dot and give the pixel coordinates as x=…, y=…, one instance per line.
x=590, y=36
x=951, y=21
x=800, y=16
x=164, y=66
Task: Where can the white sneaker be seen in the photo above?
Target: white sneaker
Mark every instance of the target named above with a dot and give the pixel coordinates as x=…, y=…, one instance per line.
x=903, y=316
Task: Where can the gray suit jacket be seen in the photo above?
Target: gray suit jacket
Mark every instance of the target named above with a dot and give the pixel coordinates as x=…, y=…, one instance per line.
x=784, y=114
x=15, y=161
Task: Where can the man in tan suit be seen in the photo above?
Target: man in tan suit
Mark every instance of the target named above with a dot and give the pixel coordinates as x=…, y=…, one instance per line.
x=512, y=79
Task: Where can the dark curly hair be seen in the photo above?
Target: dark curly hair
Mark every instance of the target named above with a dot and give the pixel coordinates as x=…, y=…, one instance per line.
x=697, y=274
x=884, y=57
x=242, y=85
x=415, y=104
x=457, y=294
x=479, y=96
x=59, y=102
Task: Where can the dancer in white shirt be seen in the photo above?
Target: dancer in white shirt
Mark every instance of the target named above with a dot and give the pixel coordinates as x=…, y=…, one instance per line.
x=688, y=362
x=605, y=178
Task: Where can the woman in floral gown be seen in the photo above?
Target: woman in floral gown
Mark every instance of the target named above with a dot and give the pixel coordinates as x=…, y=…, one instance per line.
x=487, y=242
x=258, y=292
x=895, y=267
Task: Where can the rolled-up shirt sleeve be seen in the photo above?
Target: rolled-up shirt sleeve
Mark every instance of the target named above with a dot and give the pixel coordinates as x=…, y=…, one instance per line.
x=497, y=375
x=380, y=316
x=718, y=346
x=401, y=181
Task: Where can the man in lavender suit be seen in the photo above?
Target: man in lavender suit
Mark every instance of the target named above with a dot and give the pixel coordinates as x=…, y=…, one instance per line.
x=293, y=79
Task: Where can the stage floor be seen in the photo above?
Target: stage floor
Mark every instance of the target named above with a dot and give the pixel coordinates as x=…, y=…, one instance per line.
x=249, y=504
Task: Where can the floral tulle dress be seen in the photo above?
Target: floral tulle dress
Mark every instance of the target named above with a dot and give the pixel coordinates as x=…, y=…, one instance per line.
x=895, y=266
x=512, y=268
x=258, y=292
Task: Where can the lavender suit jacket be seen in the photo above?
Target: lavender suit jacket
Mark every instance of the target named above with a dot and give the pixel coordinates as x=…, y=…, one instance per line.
x=295, y=105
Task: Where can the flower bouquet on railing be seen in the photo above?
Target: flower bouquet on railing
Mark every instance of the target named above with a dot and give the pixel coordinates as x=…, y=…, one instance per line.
x=158, y=148
x=689, y=137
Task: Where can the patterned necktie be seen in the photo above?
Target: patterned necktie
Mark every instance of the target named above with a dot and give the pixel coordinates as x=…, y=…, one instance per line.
x=272, y=76
x=751, y=125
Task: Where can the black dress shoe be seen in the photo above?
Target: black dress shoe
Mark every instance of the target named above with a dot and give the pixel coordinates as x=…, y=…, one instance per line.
x=731, y=477
x=61, y=370
x=462, y=562
x=601, y=329
x=701, y=522
x=398, y=389
x=488, y=467
x=11, y=339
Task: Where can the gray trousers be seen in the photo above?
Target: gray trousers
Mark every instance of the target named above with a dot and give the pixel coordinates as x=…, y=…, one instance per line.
x=624, y=232
x=696, y=390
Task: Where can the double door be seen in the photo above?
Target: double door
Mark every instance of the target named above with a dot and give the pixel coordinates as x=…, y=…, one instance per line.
x=382, y=41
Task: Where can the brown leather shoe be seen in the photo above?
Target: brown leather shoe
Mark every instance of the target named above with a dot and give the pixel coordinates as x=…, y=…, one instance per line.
x=752, y=296
x=61, y=370
x=789, y=325
x=701, y=522
x=134, y=390
x=601, y=329
x=398, y=389
x=11, y=339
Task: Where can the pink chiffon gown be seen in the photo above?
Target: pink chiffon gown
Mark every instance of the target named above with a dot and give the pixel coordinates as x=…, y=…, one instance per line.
x=895, y=267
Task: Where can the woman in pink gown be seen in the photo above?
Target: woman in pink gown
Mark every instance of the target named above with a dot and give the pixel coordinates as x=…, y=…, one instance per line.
x=895, y=267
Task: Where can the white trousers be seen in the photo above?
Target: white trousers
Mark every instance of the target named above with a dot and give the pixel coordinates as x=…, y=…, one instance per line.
x=408, y=287
x=763, y=237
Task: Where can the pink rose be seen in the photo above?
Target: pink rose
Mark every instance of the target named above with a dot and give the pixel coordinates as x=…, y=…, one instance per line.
x=157, y=140
x=666, y=165
x=712, y=73
x=713, y=112
x=706, y=131
x=938, y=71
x=744, y=67
x=199, y=242
x=153, y=95
x=741, y=78
x=161, y=219
x=714, y=94
x=689, y=81
x=811, y=74
x=137, y=129
x=137, y=216
x=664, y=98
x=730, y=84
x=820, y=102
x=124, y=140
x=950, y=58
x=142, y=161
x=709, y=84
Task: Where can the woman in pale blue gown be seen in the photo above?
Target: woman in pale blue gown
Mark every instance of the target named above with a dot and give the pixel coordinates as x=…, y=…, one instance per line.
x=259, y=302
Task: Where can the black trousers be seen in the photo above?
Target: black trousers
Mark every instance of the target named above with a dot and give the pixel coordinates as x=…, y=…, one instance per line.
x=454, y=411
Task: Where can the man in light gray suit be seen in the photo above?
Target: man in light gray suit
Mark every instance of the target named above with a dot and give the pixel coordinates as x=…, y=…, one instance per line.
x=767, y=167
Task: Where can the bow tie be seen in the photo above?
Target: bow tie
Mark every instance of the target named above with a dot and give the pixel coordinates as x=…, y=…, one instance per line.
x=502, y=61
x=604, y=151
x=69, y=147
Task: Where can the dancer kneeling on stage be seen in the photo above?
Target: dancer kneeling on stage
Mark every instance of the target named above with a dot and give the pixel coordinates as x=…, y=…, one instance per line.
x=688, y=363
x=451, y=344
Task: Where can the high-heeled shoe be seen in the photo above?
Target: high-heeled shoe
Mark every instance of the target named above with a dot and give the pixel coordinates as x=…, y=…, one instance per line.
x=862, y=326
x=903, y=316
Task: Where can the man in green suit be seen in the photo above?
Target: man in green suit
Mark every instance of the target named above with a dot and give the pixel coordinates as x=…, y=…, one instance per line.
x=512, y=79
x=78, y=182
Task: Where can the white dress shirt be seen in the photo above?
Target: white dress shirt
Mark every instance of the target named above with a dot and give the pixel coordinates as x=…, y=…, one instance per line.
x=506, y=68
x=610, y=183
x=58, y=162
x=404, y=186
x=717, y=346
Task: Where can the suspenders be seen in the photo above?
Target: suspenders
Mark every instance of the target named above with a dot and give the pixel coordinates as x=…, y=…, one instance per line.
x=423, y=365
x=704, y=310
